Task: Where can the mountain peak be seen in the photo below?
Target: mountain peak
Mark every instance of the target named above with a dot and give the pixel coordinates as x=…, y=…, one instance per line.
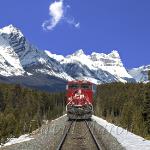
x=11, y=26
x=11, y=29
x=140, y=74
x=114, y=54
x=19, y=57
x=79, y=52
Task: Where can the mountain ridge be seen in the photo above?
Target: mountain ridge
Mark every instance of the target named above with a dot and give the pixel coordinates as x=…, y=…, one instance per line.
x=18, y=57
x=140, y=74
x=95, y=62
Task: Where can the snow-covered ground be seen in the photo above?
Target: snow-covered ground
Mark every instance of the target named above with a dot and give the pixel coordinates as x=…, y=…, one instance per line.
x=127, y=139
x=20, y=139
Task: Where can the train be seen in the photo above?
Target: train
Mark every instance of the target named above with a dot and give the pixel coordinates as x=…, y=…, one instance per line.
x=79, y=102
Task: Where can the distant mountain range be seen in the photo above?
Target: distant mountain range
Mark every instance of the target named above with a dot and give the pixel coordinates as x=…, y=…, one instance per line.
x=21, y=62
x=140, y=74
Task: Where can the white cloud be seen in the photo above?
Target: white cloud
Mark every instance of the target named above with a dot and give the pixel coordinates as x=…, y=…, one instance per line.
x=77, y=25
x=56, y=12
x=72, y=22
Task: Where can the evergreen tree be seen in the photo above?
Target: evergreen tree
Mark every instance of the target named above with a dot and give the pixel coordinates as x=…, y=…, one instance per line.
x=22, y=110
x=149, y=75
x=127, y=105
x=146, y=110
x=2, y=104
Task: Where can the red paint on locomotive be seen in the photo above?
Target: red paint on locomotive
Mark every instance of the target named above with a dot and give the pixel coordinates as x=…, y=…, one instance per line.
x=79, y=99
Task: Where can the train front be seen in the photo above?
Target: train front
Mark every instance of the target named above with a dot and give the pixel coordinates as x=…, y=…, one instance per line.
x=79, y=100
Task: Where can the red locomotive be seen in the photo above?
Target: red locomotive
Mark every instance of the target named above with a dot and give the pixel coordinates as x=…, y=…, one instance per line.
x=79, y=100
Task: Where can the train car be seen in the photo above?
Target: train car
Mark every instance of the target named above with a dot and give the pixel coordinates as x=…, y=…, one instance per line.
x=79, y=99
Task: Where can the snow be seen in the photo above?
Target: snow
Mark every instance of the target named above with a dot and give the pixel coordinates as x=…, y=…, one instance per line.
x=22, y=138
x=9, y=62
x=117, y=71
x=29, y=74
x=42, y=60
x=7, y=68
x=93, y=80
x=61, y=75
x=54, y=56
x=11, y=29
x=7, y=52
x=110, y=63
x=17, y=53
x=127, y=139
x=140, y=74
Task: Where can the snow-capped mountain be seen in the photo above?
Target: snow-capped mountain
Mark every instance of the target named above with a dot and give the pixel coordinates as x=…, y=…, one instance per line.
x=23, y=58
x=97, y=67
x=9, y=61
x=140, y=74
x=21, y=61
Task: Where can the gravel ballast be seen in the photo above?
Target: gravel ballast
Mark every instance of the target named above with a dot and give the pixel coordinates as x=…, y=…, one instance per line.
x=49, y=136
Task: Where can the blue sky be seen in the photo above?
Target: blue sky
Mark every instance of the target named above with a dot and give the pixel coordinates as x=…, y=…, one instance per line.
x=93, y=25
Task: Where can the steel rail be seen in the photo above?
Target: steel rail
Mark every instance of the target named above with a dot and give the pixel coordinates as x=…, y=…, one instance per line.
x=64, y=137
x=68, y=130
x=94, y=137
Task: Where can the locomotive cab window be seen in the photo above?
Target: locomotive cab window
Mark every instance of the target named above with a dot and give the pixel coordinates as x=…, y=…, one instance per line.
x=86, y=86
x=73, y=86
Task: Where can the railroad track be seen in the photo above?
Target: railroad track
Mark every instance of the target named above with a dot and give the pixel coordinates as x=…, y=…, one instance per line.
x=64, y=137
x=79, y=135
x=94, y=137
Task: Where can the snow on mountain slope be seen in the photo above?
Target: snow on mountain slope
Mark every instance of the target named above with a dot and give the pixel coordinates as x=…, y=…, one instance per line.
x=24, y=57
x=97, y=67
x=20, y=47
x=19, y=57
x=111, y=63
x=140, y=74
x=127, y=139
x=9, y=60
x=54, y=56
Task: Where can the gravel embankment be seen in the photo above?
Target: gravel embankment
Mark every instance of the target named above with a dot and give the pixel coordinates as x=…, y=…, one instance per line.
x=46, y=138
x=49, y=136
x=105, y=138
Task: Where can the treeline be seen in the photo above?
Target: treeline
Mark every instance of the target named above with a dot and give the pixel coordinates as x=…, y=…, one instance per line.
x=22, y=110
x=126, y=105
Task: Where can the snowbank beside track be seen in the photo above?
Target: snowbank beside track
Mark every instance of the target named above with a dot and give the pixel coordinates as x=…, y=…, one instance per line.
x=127, y=139
x=22, y=138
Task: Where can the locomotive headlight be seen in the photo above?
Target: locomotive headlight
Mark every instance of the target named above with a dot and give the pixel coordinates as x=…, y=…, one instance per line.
x=79, y=91
x=70, y=98
x=81, y=96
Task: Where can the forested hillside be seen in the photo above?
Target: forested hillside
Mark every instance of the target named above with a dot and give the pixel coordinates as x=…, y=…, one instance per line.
x=126, y=105
x=22, y=110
